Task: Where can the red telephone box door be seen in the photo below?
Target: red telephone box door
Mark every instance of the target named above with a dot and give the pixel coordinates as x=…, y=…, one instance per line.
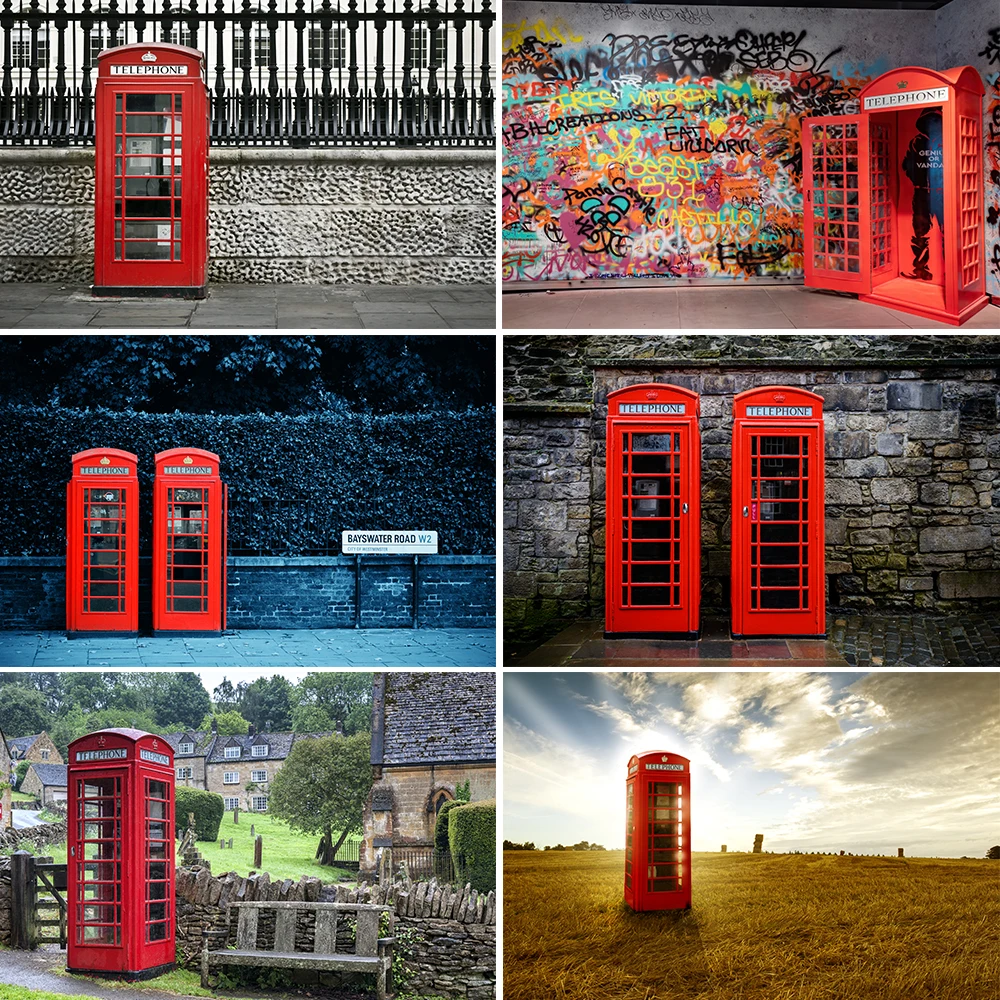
x=778, y=581
x=95, y=877
x=836, y=185
x=653, y=556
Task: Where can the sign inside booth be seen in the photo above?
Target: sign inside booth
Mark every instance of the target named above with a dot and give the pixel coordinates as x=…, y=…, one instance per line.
x=388, y=543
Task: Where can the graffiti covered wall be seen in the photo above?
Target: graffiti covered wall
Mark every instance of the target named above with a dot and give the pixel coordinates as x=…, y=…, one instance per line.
x=663, y=142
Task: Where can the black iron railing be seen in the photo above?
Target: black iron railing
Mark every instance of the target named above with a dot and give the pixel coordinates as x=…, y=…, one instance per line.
x=424, y=862
x=374, y=72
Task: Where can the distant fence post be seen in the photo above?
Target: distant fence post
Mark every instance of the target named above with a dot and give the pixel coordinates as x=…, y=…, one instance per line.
x=22, y=901
x=258, y=852
x=899, y=852
x=758, y=843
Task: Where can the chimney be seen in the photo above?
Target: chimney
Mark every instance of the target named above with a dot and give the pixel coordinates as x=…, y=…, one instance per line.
x=215, y=726
x=251, y=731
x=339, y=728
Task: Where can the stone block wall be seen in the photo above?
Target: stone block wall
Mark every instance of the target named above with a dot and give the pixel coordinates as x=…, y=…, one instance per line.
x=912, y=463
x=315, y=216
x=288, y=592
x=451, y=951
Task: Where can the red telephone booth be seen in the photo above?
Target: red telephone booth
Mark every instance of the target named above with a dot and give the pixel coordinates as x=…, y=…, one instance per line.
x=120, y=854
x=653, y=555
x=151, y=162
x=894, y=195
x=102, y=544
x=777, y=582
x=189, y=543
x=658, y=832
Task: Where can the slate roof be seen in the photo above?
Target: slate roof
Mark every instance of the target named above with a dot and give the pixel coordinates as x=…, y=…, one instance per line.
x=202, y=743
x=51, y=775
x=279, y=746
x=432, y=718
x=22, y=744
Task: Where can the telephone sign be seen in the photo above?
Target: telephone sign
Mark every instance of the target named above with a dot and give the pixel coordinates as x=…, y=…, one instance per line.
x=778, y=585
x=894, y=195
x=151, y=161
x=652, y=562
x=658, y=832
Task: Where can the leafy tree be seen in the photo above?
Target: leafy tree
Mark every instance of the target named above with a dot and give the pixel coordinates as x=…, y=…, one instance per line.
x=994, y=853
x=78, y=722
x=462, y=792
x=23, y=711
x=341, y=697
x=227, y=723
x=528, y=845
x=179, y=701
x=268, y=703
x=323, y=786
x=228, y=698
x=21, y=770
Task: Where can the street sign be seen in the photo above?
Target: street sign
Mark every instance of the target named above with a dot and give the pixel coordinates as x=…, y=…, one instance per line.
x=388, y=543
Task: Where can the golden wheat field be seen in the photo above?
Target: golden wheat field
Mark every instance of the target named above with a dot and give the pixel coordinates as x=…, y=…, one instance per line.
x=761, y=927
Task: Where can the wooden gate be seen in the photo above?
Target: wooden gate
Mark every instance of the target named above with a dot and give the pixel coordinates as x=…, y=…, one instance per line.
x=38, y=902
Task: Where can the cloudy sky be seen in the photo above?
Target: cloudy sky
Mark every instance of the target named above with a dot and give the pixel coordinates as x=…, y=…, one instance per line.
x=839, y=761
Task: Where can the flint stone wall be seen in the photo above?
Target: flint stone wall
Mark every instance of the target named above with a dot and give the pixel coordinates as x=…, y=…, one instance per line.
x=912, y=464
x=315, y=216
x=455, y=950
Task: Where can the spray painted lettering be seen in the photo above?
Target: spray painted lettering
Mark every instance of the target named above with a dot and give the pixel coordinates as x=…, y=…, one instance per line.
x=674, y=155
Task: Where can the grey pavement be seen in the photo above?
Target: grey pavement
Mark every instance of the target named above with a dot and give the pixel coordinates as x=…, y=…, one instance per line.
x=424, y=647
x=342, y=307
x=25, y=819
x=744, y=307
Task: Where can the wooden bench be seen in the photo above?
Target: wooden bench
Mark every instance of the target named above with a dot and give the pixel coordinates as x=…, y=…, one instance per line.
x=372, y=953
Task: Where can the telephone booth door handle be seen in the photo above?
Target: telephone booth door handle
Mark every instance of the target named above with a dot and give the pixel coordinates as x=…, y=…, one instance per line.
x=684, y=508
x=746, y=511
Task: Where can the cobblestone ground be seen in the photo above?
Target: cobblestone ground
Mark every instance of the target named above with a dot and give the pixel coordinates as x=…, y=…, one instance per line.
x=916, y=641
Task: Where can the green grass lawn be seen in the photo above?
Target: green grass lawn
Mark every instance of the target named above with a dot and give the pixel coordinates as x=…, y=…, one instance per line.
x=287, y=854
x=21, y=797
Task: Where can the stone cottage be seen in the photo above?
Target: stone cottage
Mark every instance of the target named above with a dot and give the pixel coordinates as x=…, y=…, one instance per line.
x=38, y=749
x=47, y=782
x=191, y=750
x=912, y=457
x=431, y=732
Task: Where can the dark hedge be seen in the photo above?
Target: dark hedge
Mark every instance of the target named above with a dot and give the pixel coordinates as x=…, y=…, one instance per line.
x=295, y=482
x=208, y=809
x=441, y=843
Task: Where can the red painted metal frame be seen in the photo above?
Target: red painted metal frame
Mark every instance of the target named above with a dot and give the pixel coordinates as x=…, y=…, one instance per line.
x=778, y=583
x=956, y=288
x=658, y=832
x=120, y=854
x=189, y=543
x=178, y=173
x=660, y=488
x=97, y=573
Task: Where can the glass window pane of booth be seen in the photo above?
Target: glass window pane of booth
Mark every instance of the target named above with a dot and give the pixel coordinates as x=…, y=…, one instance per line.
x=99, y=879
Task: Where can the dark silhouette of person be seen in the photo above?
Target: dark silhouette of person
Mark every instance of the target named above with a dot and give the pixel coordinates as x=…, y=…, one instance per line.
x=924, y=165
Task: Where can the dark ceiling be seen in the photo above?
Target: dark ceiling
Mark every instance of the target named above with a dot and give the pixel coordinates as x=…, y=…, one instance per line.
x=817, y=4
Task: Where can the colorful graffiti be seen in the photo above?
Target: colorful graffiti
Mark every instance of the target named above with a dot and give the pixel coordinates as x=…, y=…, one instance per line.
x=992, y=55
x=673, y=155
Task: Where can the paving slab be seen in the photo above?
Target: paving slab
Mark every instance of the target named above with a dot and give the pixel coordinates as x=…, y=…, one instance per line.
x=420, y=647
x=39, y=306
x=860, y=641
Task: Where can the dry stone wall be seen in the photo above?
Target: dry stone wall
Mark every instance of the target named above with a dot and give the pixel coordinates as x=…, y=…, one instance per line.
x=369, y=216
x=912, y=463
x=452, y=952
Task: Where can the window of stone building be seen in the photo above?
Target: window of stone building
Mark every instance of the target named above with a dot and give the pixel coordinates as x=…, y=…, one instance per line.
x=338, y=47
x=185, y=772
x=229, y=802
x=231, y=778
x=232, y=753
x=185, y=748
x=45, y=755
x=258, y=776
x=260, y=750
x=259, y=803
x=439, y=798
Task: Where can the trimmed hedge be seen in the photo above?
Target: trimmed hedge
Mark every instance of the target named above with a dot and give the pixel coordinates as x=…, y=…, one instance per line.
x=336, y=472
x=472, y=835
x=441, y=842
x=208, y=809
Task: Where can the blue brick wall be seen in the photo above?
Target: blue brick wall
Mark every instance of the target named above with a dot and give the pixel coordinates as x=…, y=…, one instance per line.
x=300, y=592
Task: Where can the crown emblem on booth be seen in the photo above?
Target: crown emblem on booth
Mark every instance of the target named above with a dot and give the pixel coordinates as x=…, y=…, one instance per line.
x=148, y=57
x=779, y=397
x=664, y=758
x=652, y=394
x=188, y=460
x=901, y=85
x=156, y=743
x=105, y=461
x=101, y=741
